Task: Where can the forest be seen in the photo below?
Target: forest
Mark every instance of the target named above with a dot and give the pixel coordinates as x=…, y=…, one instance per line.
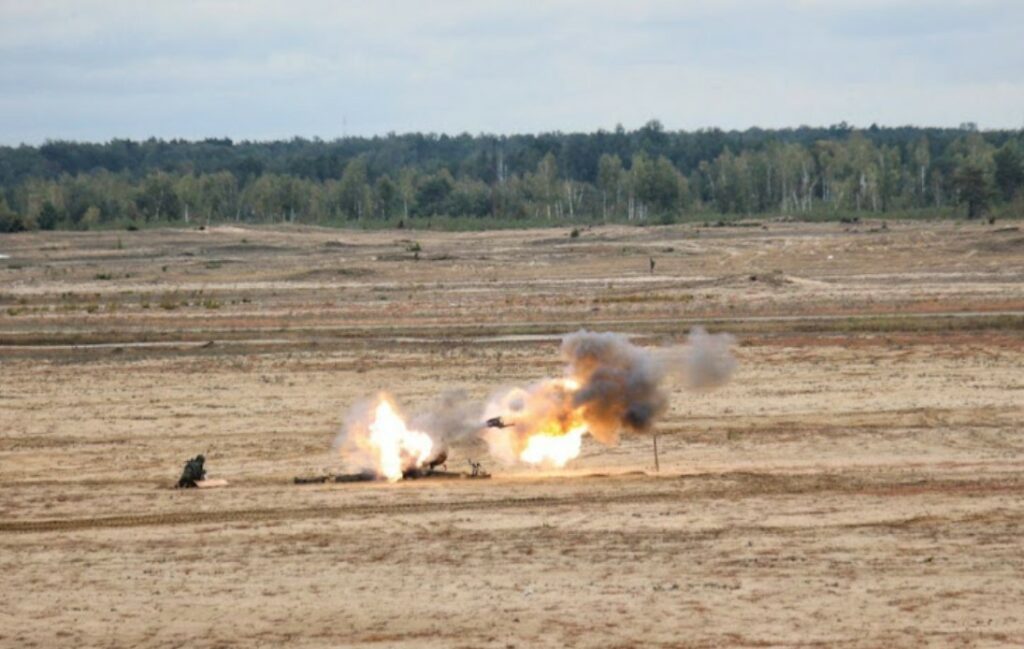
x=645, y=176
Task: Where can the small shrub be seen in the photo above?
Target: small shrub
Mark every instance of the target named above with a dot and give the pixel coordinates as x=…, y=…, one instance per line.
x=169, y=301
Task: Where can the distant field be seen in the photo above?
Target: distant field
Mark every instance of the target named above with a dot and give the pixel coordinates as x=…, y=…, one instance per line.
x=859, y=483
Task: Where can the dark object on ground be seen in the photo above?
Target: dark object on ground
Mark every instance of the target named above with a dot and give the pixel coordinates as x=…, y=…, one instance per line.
x=477, y=470
x=425, y=473
x=652, y=265
x=422, y=474
x=428, y=473
x=438, y=460
x=316, y=479
x=193, y=473
x=363, y=476
x=496, y=422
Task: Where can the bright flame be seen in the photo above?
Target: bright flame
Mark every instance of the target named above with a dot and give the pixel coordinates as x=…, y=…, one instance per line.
x=558, y=441
x=542, y=426
x=395, y=446
x=570, y=384
x=554, y=449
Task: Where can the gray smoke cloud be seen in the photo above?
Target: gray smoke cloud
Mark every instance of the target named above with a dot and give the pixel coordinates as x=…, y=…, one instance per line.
x=452, y=417
x=619, y=383
x=610, y=384
x=622, y=385
x=707, y=360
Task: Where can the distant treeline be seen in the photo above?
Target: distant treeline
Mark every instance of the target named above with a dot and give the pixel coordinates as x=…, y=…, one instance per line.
x=648, y=175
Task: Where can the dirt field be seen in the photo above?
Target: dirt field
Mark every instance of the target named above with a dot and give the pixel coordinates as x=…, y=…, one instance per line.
x=859, y=483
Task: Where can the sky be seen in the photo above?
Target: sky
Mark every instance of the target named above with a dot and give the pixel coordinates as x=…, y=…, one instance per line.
x=93, y=70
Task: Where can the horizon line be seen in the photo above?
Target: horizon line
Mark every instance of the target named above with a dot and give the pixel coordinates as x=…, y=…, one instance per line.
x=966, y=126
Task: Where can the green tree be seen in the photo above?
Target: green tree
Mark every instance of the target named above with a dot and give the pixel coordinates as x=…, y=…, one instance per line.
x=889, y=176
x=10, y=221
x=354, y=195
x=273, y=197
x=432, y=193
x=541, y=188
x=862, y=173
x=831, y=158
x=974, y=190
x=48, y=217
x=922, y=157
x=188, y=189
x=91, y=218
x=657, y=183
x=219, y=195
x=386, y=196
x=609, y=181
x=469, y=198
x=157, y=199
x=1009, y=172
x=407, y=183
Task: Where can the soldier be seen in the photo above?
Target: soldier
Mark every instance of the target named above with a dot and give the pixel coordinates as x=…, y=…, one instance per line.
x=652, y=265
x=193, y=472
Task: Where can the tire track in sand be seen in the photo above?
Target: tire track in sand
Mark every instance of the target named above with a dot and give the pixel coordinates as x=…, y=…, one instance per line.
x=291, y=514
x=735, y=485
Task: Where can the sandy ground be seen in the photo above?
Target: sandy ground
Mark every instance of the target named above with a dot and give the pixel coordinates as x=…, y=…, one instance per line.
x=858, y=484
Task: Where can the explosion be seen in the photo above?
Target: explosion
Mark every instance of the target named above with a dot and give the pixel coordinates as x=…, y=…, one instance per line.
x=397, y=447
x=378, y=440
x=609, y=386
x=554, y=449
x=539, y=425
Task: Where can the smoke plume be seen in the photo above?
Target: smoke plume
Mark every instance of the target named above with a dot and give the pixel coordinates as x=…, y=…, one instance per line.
x=452, y=417
x=609, y=386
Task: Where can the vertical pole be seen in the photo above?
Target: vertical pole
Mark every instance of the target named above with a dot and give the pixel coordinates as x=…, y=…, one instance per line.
x=657, y=467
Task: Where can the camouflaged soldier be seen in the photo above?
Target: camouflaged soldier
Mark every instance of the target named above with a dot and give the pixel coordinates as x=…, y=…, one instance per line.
x=193, y=473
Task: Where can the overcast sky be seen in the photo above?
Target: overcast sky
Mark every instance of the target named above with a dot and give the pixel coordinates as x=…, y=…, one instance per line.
x=99, y=69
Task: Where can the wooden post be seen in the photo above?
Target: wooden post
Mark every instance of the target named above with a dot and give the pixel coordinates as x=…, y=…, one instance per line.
x=657, y=467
